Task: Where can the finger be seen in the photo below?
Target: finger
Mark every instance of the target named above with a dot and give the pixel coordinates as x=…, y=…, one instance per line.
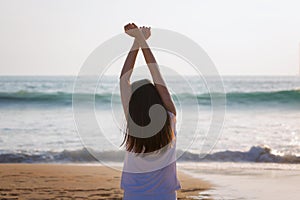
x=134, y=26
x=127, y=27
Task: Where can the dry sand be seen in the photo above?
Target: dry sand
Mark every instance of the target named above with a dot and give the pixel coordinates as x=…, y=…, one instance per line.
x=62, y=181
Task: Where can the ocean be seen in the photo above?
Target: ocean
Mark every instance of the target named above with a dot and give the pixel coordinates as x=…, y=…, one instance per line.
x=261, y=122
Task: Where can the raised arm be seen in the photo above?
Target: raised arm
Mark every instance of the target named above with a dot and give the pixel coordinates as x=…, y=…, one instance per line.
x=125, y=87
x=155, y=73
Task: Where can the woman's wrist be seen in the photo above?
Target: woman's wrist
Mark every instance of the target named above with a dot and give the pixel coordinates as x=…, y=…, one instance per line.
x=141, y=41
x=135, y=45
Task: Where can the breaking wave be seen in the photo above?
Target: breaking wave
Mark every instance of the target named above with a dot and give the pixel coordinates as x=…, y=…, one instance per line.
x=254, y=154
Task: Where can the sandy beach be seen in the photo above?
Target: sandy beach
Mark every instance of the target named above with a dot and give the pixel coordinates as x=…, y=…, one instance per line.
x=63, y=181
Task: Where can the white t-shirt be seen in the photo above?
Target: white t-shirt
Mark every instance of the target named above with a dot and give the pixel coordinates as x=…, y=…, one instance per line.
x=152, y=174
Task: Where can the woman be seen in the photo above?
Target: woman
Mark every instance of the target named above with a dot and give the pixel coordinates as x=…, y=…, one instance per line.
x=149, y=170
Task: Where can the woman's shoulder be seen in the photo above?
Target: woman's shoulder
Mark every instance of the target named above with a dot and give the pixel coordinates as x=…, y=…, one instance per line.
x=172, y=119
x=171, y=114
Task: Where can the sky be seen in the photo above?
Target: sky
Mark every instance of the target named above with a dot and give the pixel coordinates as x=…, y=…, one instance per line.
x=55, y=37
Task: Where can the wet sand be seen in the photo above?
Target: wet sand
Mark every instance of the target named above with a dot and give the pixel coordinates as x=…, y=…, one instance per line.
x=64, y=181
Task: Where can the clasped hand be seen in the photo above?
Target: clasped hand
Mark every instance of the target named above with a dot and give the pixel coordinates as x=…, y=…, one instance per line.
x=137, y=32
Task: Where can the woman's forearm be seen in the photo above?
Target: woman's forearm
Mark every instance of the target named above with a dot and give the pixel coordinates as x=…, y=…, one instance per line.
x=130, y=61
x=125, y=88
x=151, y=62
x=156, y=75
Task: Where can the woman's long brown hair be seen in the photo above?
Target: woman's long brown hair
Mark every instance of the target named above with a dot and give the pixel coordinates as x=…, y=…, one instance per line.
x=140, y=102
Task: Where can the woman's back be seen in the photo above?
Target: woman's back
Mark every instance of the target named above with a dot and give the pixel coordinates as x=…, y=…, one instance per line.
x=151, y=175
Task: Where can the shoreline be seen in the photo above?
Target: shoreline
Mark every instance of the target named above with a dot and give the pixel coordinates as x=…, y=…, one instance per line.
x=67, y=181
x=259, y=181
